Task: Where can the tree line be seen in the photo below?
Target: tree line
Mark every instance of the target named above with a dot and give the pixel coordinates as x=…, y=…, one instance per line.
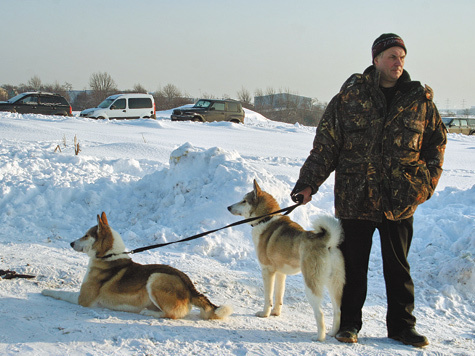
x=170, y=96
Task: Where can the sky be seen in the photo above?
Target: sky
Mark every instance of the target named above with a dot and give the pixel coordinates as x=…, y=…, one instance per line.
x=212, y=47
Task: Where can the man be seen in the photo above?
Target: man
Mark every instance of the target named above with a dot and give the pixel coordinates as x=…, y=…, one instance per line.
x=383, y=137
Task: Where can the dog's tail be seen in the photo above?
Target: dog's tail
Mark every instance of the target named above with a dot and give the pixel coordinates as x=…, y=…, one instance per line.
x=208, y=309
x=331, y=227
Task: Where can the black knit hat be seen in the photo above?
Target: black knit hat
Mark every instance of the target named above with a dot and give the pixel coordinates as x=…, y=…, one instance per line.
x=385, y=41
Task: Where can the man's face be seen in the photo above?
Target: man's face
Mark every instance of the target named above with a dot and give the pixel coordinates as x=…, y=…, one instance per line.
x=390, y=64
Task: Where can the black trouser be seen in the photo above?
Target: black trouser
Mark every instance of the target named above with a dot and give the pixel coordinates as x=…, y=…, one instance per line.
x=396, y=237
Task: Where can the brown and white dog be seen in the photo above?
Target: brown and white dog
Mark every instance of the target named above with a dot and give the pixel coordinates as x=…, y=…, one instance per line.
x=115, y=282
x=283, y=248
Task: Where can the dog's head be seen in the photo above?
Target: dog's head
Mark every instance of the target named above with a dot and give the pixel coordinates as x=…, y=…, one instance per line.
x=255, y=203
x=100, y=240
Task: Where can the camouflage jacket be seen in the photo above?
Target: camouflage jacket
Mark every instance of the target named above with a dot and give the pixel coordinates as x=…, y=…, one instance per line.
x=387, y=160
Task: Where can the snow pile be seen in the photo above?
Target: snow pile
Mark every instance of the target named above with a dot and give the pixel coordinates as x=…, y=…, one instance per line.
x=447, y=220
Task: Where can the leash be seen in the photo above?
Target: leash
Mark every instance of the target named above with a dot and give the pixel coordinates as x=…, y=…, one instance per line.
x=287, y=211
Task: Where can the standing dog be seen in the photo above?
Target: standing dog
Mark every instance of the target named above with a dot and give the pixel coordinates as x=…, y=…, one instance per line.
x=283, y=248
x=115, y=282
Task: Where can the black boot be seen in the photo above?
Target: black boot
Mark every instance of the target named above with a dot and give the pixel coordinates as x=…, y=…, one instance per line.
x=410, y=337
x=347, y=334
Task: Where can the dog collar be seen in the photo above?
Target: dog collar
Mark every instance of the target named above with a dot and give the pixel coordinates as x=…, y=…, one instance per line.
x=262, y=221
x=112, y=255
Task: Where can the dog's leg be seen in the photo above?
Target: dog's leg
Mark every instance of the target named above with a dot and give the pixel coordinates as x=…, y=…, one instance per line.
x=336, y=304
x=88, y=294
x=335, y=288
x=268, y=278
x=316, y=302
x=169, y=294
x=71, y=297
x=279, y=293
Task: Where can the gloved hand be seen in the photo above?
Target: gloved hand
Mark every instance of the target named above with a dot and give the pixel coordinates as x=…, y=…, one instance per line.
x=301, y=193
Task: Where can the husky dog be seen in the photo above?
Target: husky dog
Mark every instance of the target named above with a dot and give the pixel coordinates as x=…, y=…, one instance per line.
x=115, y=282
x=283, y=248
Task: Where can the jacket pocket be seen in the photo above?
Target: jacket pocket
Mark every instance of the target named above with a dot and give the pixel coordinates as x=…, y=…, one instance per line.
x=356, y=129
x=414, y=186
x=413, y=128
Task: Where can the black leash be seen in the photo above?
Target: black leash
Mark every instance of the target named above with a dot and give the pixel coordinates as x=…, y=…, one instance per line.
x=287, y=211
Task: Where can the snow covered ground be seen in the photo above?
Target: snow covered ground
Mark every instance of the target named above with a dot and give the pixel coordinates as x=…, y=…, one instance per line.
x=161, y=181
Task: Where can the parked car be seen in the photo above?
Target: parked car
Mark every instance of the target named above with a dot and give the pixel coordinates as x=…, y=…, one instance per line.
x=37, y=103
x=123, y=106
x=211, y=110
x=460, y=125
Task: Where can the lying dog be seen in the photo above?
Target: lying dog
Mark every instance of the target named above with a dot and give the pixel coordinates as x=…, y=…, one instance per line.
x=114, y=281
x=283, y=248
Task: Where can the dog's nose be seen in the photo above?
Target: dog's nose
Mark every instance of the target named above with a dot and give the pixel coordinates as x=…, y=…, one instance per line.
x=229, y=208
x=72, y=244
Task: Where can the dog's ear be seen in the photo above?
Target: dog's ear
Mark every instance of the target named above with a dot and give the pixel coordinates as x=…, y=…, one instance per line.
x=257, y=189
x=102, y=220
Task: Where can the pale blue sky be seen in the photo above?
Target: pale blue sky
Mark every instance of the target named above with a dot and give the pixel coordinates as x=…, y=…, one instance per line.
x=218, y=47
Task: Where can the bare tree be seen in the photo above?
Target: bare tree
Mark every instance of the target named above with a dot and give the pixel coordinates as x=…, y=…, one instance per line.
x=67, y=86
x=167, y=96
x=83, y=101
x=138, y=88
x=258, y=92
x=171, y=92
x=270, y=91
x=3, y=94
x=102, y=85
x=208, y=96
x=58, y=89
x=35, y=83
x=244, y=96
x=170, y=97
x=12, y=90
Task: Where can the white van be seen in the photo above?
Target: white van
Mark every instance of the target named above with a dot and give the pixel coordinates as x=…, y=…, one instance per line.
x=123, y=106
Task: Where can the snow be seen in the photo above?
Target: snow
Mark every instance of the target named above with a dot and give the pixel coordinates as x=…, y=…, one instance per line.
x=160, y=181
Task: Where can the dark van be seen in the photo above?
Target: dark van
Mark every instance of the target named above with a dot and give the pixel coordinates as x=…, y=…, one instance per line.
x=37, y=103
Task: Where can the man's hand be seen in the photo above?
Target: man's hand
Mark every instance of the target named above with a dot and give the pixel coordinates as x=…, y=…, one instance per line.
x=303, y=196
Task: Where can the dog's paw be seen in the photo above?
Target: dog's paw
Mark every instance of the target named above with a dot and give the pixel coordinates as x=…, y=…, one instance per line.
x=67, y=296
x=263, y=314
x=276, y=311
x=319, y=338
x=48, y=292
